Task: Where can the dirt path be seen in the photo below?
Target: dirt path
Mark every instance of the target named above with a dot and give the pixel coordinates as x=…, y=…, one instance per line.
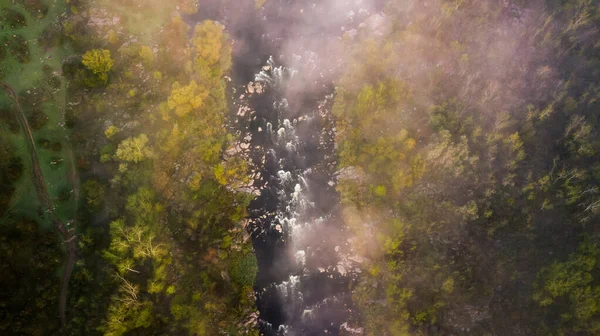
x=67, y=234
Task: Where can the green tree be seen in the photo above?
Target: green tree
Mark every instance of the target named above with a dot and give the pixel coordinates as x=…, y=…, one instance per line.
x=571, y=287
x=94, y=193
x=134, y=149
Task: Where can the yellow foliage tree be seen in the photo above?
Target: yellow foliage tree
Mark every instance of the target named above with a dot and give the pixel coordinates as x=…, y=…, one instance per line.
x=232, y=172
x=99, y=62
x=213, y=54
x=184, y=99
x=208, y=41
x=111, y=131
x=146, y=54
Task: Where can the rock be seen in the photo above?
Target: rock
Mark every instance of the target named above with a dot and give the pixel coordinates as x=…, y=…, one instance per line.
x=357, y=259
x=350, y=173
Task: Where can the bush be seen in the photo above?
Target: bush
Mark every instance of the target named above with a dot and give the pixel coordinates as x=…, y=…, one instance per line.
x=13, y=18
x=18, y=47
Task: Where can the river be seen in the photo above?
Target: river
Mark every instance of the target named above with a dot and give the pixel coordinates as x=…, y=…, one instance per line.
x=285, y=60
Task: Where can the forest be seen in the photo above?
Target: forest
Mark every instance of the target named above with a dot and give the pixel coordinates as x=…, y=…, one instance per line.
x=464, y=156
x=472, y=129
x=134, y=167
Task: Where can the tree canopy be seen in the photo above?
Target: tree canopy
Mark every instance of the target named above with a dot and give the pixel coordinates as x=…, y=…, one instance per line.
x=99, y=62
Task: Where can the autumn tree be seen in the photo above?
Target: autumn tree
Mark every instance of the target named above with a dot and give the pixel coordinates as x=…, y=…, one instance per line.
x=174, y=42
x=212, y=53
x=99, y=62
x=134, y=149
x=185, y=99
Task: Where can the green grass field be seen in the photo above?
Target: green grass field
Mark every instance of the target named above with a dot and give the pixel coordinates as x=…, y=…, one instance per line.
x=27, y=78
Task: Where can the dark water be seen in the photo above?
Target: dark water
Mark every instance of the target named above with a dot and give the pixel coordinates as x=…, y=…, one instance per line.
x=290, y=48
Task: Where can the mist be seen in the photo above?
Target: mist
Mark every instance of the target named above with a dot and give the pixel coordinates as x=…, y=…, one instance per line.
x=335, y=48
x=280, y=167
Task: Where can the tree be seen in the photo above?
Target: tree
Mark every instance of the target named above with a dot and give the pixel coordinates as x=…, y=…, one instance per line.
x=208, y=41
x=147, y=55
x=213, y=54
x=94, y=193
x=175, y=41
x=111, y=131
x=99, y=62
x=134, y=149
x=570, y=287
x=232, y=172
x=185, y=99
